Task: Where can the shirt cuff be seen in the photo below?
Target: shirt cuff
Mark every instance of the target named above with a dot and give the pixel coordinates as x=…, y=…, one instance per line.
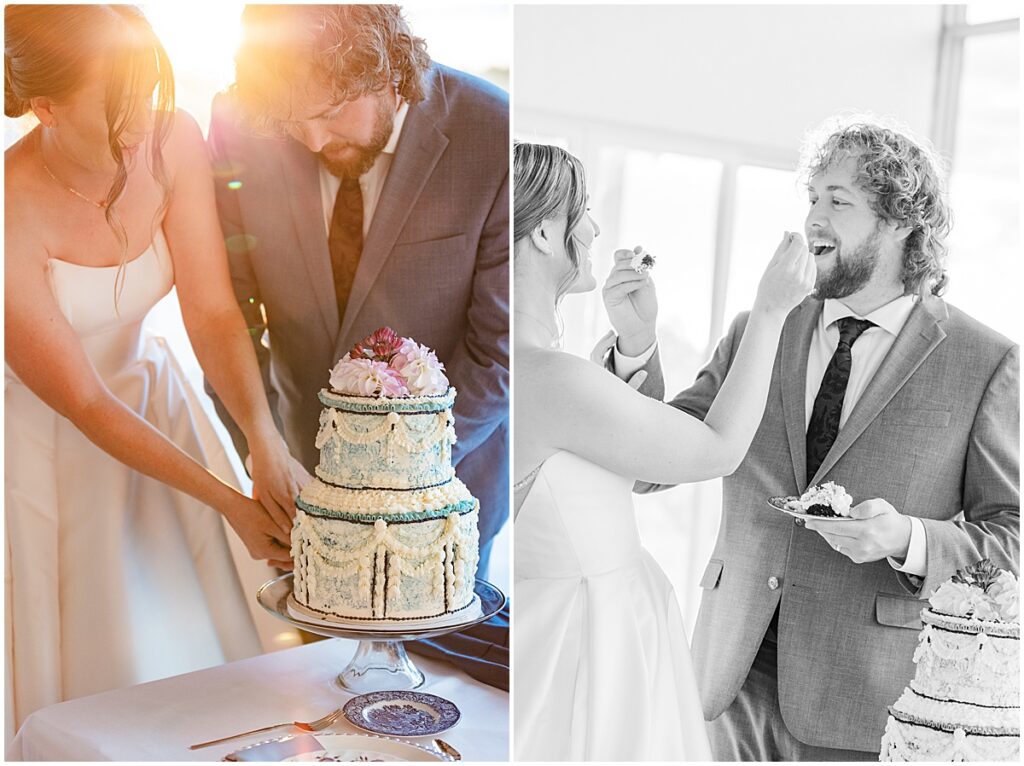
x=627, y=366
x=916, y=562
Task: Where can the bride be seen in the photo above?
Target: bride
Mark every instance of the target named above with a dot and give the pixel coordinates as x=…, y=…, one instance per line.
x=117, y=566
x=602, y=664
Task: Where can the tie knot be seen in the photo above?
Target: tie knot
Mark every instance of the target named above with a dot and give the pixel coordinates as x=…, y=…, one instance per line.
x=349, y=184
x=850, y=328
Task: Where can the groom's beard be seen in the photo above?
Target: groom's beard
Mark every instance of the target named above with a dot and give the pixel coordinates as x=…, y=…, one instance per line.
x=346, y=160
x=850, y=272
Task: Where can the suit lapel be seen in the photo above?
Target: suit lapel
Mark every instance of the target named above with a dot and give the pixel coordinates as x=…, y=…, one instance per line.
x=796, y=341
x=301, y=178
x=919, y=337
x=420, y=147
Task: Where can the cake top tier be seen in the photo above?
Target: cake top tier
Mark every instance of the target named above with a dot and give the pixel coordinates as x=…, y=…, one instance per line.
x=386, y=366
x=981, y=592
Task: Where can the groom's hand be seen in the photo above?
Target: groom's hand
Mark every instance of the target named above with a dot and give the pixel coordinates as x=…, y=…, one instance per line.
x=600, y=352
x=876, y=530
x=631, y=303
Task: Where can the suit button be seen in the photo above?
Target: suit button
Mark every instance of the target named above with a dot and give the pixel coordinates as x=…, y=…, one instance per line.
x=773, y=582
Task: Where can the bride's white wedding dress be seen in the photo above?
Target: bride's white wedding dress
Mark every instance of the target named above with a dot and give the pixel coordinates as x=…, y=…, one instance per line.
x=113, y=578
x=602, y=665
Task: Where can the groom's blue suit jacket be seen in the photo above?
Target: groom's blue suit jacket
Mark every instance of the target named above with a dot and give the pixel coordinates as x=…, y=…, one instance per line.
x=937, y=434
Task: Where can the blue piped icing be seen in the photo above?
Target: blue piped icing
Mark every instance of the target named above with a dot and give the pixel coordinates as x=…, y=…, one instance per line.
x=374, y=404
x=461, y=507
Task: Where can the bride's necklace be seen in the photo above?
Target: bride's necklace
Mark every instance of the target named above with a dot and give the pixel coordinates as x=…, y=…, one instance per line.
x=101, y=205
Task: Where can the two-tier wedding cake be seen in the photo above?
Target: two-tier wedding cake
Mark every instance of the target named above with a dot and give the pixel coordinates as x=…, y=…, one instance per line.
x=963, y=703
x=386, y=531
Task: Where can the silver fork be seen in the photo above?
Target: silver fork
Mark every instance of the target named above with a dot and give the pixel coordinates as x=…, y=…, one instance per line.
x=318, y=725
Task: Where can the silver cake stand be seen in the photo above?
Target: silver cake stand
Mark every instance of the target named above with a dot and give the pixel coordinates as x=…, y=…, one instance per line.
x=380, y=662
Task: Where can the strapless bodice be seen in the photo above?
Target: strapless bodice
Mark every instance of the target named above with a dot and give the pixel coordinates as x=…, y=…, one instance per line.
x=576, y=521
x=111, y=335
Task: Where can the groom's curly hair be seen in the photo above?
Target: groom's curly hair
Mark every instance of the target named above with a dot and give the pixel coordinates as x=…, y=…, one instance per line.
x=349, y=50
x=905, y=181
x=549, y=182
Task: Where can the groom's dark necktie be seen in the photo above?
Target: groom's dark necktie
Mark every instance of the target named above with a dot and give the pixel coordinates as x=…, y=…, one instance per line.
x=828, y=407
x=345, y=240
x=828, y=404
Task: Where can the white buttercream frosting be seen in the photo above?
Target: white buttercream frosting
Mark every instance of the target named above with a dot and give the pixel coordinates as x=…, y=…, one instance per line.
x=384, y=501
x=963, y=702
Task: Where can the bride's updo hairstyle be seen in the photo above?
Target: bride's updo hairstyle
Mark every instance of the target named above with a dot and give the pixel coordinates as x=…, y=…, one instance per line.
x=549, y=182
x=49, y=49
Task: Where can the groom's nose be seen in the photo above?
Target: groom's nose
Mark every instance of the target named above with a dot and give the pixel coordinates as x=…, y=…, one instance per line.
x=313, y=135
x=816, y=218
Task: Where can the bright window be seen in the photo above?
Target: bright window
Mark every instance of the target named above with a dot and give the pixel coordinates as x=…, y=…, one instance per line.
x=768, y=202
x=984, y=261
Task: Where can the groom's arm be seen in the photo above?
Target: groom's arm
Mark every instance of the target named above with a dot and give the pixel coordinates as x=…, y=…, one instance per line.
x=990, y=527
x=243, y=277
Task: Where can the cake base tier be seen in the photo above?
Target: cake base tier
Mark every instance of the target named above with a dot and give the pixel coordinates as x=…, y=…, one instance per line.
x=471, y=611
x=905, y=742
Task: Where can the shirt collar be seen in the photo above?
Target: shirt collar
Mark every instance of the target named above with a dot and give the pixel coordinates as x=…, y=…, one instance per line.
x=891, y=317
x=396, y=131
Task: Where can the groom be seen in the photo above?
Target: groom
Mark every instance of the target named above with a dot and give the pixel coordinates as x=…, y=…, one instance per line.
x=806, y=633
x=359, y=184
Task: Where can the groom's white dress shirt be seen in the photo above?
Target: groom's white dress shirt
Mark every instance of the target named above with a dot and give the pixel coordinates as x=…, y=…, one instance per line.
x=867, y=355
x=371, y=183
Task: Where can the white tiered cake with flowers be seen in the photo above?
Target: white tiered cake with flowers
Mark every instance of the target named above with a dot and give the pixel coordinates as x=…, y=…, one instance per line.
x=385, y=532
x=964, y=701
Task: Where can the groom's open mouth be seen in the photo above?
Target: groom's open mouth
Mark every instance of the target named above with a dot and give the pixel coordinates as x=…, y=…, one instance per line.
x=822, y=247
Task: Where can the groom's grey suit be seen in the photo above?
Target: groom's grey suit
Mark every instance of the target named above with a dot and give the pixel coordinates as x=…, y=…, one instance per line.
x=936, y=433
x=434, y=266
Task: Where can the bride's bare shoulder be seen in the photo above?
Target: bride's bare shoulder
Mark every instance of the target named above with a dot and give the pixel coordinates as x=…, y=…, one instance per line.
x=541, y=361
x=20, y=172
x=184, y=142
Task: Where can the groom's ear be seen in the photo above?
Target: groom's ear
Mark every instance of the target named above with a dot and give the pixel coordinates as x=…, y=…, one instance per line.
x=540, y=239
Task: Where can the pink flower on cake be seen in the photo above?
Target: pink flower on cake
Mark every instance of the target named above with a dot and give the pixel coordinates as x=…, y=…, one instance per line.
x=366, y=377
x=420, y=368
x=1006, y=594
x=983, y=608
x=953, y=598
x=380, y=346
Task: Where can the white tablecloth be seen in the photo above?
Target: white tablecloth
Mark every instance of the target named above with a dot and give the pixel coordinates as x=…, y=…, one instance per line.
x=159, y=720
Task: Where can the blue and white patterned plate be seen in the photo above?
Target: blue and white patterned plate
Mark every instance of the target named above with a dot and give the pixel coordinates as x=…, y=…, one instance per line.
x=402, y=714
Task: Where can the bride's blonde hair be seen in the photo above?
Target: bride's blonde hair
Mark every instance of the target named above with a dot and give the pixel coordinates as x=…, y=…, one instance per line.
x=48, y=49
x=549, y=182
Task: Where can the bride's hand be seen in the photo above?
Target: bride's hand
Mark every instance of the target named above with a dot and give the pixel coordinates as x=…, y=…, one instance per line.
x=631, y=303
x=788, y=278
x=276, y=480
x=262, y=536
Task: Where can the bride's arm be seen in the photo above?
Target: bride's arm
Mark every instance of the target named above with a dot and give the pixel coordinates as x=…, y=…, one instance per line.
x=45, y=353
x=586, y=411
x=215, y=325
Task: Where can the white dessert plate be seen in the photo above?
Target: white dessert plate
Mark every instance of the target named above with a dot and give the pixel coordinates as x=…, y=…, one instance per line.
x=471, y=612
x=314, y=748
x=402, y=713
x=781, y=503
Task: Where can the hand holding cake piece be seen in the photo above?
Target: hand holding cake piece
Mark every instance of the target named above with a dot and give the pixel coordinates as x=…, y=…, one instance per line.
x=875, y=531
